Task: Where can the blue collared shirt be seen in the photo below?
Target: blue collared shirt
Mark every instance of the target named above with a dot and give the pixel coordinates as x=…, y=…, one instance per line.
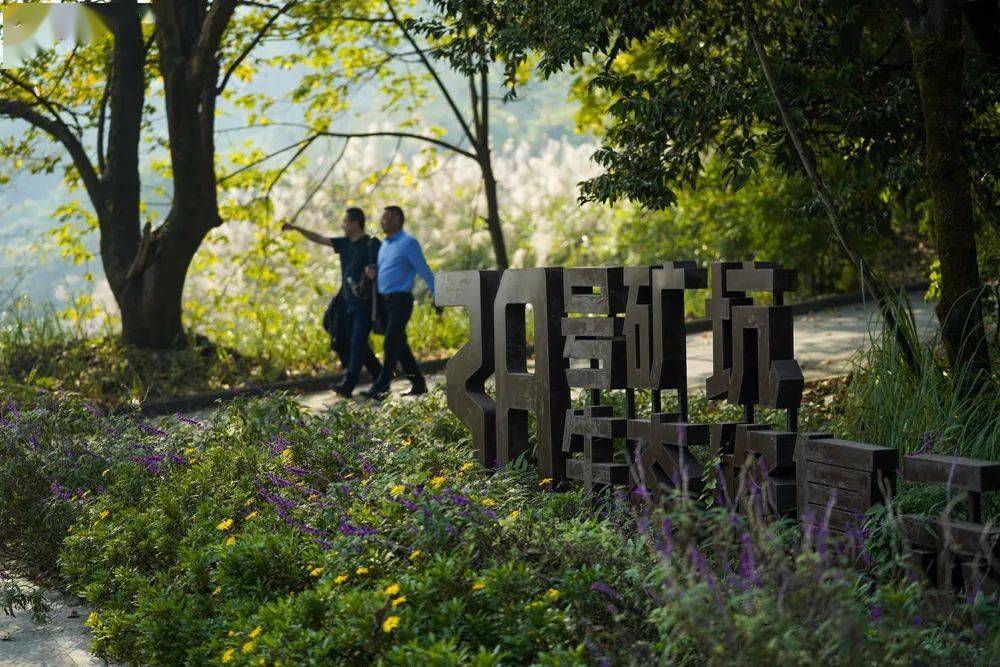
x=400, y=259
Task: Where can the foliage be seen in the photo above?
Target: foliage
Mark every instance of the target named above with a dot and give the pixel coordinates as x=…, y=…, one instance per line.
x=681, y=82
x=40, y=349
x=370, y=535
x=14, y=598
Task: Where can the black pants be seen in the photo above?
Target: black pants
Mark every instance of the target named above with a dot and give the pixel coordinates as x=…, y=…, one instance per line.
x=361, y=352
x=398, y=309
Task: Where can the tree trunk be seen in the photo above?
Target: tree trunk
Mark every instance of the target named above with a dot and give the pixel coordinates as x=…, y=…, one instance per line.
x=938, y=61
x=187, y=36
x=151, y=308
x=493, y=213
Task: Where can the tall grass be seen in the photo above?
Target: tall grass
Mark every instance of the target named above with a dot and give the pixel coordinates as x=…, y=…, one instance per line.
x=921, y=408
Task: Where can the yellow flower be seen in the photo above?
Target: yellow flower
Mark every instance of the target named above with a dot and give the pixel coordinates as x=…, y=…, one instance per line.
x=286, y=454
x=91, y=619
x=228, y=655
x=398, y=601
x=438, y=482
x=218, y=589
x=478, y=586
x=547, y=480
x=397, y=490
x=104, y=515
x=341, y=578
x=251, y=515
x=248, y=503
x=256, y=631
x=230, y=541
x=249, y=646
x=361, y=570
x=390, y=624
x=225, y=524
x=391, y=589
x=466, y=466
x=231, y=633
x=316, y=571
x=512, y=517
x=489, y=502
x=552, y=594
x=415, y=554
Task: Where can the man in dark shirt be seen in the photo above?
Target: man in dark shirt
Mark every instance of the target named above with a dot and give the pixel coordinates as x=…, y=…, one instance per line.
x=356, y=250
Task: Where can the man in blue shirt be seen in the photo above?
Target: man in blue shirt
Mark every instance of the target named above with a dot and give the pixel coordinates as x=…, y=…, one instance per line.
x=400, y=259
x=357, y=250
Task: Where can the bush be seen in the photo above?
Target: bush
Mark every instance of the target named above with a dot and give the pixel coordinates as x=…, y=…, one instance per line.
x=369, y=535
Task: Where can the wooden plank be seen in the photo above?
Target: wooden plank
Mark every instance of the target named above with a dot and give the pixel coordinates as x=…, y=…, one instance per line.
x=840, y=520
x=842, y=478
x=848, y=454
x=963, y=537
x=845, y=499
x=957, y=472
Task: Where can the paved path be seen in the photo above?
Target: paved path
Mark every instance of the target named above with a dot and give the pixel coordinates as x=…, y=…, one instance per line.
x=825, y=343
x=62, y=642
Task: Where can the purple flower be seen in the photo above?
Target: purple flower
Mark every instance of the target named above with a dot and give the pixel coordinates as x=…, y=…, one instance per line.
x=666, y=534
x=188, y=420
x=149, y=429
x=351, y=530
x=602, y=587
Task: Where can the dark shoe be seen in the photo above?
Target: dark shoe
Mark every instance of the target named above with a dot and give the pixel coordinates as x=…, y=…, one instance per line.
x=375, y=394
x=343, y=390
x=417, y=390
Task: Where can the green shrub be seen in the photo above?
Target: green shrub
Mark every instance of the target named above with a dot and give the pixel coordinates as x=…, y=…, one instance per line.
x=268, y=535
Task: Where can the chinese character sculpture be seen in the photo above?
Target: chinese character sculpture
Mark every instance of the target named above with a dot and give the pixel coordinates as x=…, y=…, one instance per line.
x=622, y=329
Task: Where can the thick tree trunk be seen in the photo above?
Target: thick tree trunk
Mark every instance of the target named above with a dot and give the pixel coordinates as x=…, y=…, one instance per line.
x=151, y=307
x=187, y=36
x=938, y=60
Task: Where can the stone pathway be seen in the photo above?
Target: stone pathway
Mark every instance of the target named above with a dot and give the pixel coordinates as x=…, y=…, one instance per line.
x=61, y=642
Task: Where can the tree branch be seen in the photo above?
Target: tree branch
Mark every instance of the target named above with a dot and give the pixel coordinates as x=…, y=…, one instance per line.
x=206, y=48
x=61, y=132
x=430, y=68
x=102, y=115
x=820, y=187
x=52, y=107
x=253, y=44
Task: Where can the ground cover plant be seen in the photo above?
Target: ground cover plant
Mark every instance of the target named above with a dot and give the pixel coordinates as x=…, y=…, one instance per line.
x=41, y=349
x=266, y=535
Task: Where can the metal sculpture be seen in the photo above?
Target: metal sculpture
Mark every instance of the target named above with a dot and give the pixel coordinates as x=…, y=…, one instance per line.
x=467, y=372
x=595, y=356
x=614, y=328
x=544, y=392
